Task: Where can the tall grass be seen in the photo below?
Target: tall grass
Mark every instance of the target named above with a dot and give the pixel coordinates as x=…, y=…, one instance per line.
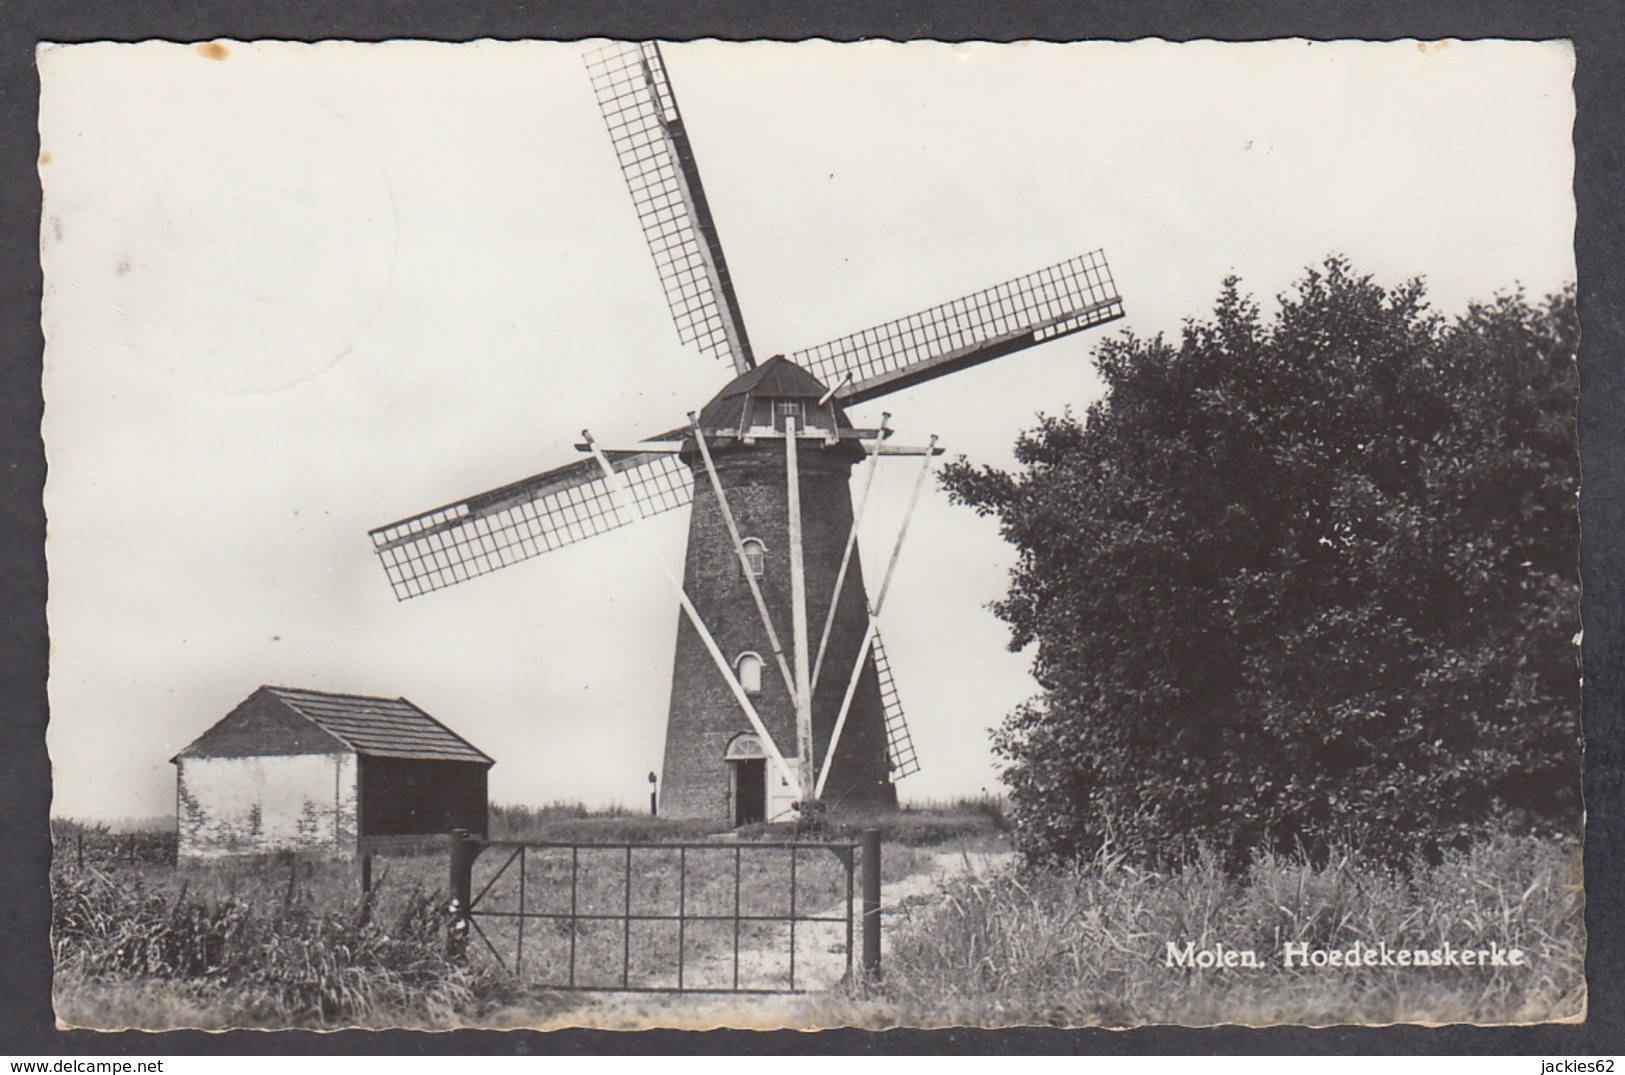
x=1087, y=944
x=268, y=947
x=290, y=941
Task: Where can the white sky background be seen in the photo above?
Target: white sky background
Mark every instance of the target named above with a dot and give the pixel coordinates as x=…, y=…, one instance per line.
x=305, y=290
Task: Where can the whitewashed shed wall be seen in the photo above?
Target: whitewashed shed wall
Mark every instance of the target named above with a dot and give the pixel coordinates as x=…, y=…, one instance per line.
x=264, y=804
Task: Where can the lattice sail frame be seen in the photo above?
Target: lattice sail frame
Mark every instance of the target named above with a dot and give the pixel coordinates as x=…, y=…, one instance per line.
x=516, y=522
x=1052, y=302
x=651, y=144
x=899, y=744
x=504, y=526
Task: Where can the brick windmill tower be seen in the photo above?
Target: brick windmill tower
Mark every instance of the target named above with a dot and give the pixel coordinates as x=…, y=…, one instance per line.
x=781, y=694
x=749, y=429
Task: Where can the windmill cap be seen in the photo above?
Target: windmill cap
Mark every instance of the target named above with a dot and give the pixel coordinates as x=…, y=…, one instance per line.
x=776, y=379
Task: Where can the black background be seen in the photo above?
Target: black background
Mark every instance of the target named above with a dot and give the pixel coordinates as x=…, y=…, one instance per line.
x=1597, y=28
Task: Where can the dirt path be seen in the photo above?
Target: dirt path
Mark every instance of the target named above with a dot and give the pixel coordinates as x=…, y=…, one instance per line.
x=820, y=961
x=821, y=946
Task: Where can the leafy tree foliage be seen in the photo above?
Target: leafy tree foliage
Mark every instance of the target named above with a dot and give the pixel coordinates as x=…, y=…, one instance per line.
x=1301, y=584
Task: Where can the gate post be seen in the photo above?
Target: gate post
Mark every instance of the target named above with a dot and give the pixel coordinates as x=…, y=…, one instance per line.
x=871, y=904
x=462, y=893
x=365, y=914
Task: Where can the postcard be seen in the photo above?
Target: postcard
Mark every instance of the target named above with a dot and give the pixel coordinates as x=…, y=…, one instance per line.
x=770, y=534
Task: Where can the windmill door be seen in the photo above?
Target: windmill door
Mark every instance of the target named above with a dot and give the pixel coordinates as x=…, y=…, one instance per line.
x=750, y=791
x=748, y=764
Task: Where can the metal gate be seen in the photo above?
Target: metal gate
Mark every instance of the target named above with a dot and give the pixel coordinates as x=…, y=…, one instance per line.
x=691, y=917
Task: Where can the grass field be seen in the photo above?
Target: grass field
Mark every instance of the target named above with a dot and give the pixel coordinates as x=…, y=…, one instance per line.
x=974, y=820
x=1088, y=945
x=281, y=942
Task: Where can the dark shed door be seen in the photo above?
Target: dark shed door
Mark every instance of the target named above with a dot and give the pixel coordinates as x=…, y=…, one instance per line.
x=412, y=797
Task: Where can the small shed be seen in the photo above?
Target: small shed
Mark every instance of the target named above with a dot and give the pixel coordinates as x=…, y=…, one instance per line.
x=320, y=773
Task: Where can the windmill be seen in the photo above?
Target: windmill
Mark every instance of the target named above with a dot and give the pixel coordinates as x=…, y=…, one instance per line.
x=781, y=692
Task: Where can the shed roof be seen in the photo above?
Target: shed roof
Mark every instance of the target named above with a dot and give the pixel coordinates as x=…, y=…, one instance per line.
x=380, y=727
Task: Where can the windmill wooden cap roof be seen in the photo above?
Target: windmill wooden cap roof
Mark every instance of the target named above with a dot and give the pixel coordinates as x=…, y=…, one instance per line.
x=777, y=378
x=380, y=727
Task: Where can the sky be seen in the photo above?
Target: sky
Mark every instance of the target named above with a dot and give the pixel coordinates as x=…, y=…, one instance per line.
x=296, y=291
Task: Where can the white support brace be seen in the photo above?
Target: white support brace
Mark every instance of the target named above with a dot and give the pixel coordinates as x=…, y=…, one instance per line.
x=846, y=704
x=744, y=560
x=903, y=449
x=628, y=503
x=823, y=400
x=874, y=624
x=798, y=609
x=851, y=543
x=902, y=531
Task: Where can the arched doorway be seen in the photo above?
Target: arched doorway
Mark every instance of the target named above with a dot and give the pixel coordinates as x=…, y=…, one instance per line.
x=748, y=785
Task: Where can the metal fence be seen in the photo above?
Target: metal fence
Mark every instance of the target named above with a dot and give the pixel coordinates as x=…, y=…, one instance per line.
x=691, y=917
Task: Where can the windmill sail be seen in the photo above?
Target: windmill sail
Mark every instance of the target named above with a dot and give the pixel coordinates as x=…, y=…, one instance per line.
x=899, y=744
x=651, y=144
x=478, y=535
x=1076, y=294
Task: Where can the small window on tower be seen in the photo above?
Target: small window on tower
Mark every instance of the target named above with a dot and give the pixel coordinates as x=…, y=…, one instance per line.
x=755, y=556
x=749, y=667
x=790, y=410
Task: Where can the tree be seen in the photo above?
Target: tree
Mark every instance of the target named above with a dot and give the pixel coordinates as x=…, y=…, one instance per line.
x=1310, y=583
